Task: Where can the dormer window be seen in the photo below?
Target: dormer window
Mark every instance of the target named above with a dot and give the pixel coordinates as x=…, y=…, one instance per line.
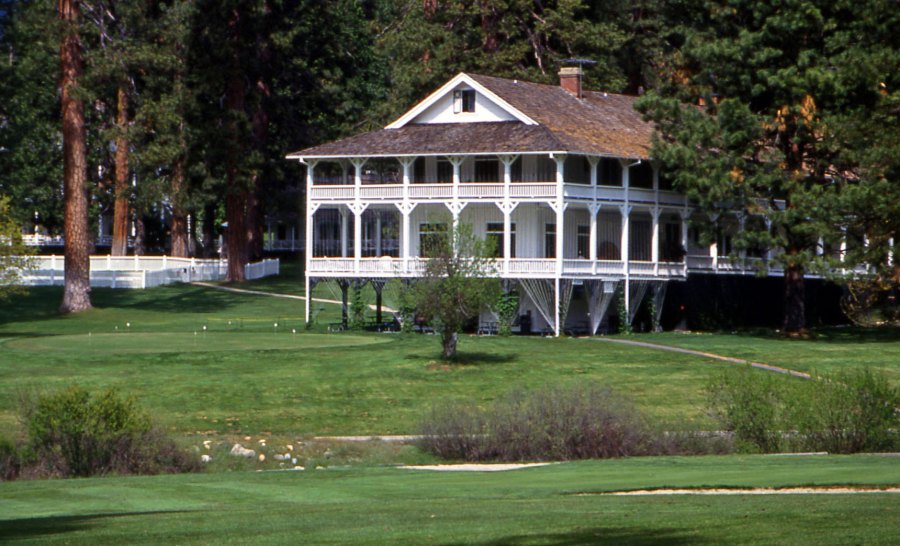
x=463, y=100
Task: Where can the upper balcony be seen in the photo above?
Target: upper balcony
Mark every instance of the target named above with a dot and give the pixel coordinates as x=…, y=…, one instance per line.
x=490, y=178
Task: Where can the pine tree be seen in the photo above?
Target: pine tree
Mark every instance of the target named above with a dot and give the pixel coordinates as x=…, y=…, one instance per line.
x=76, y=295
x=773, y=81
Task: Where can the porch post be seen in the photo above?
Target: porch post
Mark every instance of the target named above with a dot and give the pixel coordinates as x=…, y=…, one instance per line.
x=308, y=251
x=377, y=232
x=560, y=217
x=685, y=213
x=344, y=232
x=626, y=239
x=357, y=236
x=654, y=248
x=593, y=210
x=456, y=162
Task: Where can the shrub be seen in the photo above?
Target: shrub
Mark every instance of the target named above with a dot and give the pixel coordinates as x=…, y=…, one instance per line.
x=848, y=413
x=507, y=308
x=74, y=433
x=558, y=423
x=748, y=403
x=845, y=413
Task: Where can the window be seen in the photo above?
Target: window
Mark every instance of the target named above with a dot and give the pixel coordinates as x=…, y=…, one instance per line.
x=549, y=240
x=444, y=171
x=487, y=170
x=431, y=237
x=584, y=241
x=463, y=100
x=495, y=234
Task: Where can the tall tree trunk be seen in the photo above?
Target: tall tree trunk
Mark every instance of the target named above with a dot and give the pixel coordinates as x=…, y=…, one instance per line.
x=76, y=297
x=236, y=191
x=180, y=247
x=120, y=210
x=794, y=300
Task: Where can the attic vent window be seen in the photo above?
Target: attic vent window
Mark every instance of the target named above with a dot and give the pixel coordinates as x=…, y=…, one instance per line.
x=463, y=100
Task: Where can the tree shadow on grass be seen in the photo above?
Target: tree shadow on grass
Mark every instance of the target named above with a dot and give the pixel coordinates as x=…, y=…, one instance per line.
x=42, y=303
x=35, y=528
x=599, y=535
x=465, y=358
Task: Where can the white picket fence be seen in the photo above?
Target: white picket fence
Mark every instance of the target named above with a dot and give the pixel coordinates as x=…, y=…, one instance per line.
x=142, y=271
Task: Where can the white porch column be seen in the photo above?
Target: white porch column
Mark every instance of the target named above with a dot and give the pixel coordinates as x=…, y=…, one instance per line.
x=625, y=211
x=406, y=163
x=344, y=232
x=405, y=209
x=654, y=248
x=593, y=210
x=507, y=235
x=506, y=208
x=685, y=213
x=308, y=251
x=378, y=233
x=560, y=218
x=357, y=235
x=455, y=207
x=890, y=253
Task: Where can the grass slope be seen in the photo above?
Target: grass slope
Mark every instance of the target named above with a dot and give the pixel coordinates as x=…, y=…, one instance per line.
x=541, y=506
x=828, y=351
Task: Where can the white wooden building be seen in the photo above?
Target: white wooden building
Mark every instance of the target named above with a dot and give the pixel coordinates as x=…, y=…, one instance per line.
x=560, y=177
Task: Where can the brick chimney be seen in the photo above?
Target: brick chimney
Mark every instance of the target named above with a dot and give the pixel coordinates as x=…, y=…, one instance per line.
x=570, y=80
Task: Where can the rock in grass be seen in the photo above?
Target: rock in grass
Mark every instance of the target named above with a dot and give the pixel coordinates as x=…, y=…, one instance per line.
x=205, y=458
x=240, y=451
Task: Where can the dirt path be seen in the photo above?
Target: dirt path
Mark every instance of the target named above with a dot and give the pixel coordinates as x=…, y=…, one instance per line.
x=671, y=349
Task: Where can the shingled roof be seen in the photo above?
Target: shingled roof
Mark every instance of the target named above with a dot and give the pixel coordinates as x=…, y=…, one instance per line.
x=603, y=124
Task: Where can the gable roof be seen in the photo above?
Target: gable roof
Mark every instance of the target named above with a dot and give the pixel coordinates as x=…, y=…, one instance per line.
x=464, y=78
x=600, y=124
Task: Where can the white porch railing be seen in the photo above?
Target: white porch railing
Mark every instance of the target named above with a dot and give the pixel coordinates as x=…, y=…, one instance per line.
x=141, y=271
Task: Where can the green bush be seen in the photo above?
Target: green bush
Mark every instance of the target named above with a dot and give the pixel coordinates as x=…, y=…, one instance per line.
x=748, y=403
x=75, y=433
x=845, y=413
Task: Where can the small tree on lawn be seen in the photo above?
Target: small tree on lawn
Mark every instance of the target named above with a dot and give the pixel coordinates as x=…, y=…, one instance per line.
x=14, y=255
x=459, y=282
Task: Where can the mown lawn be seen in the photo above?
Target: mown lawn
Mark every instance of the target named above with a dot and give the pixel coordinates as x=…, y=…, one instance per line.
x=244, y=375
x=556, y=505
x=828, y=351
